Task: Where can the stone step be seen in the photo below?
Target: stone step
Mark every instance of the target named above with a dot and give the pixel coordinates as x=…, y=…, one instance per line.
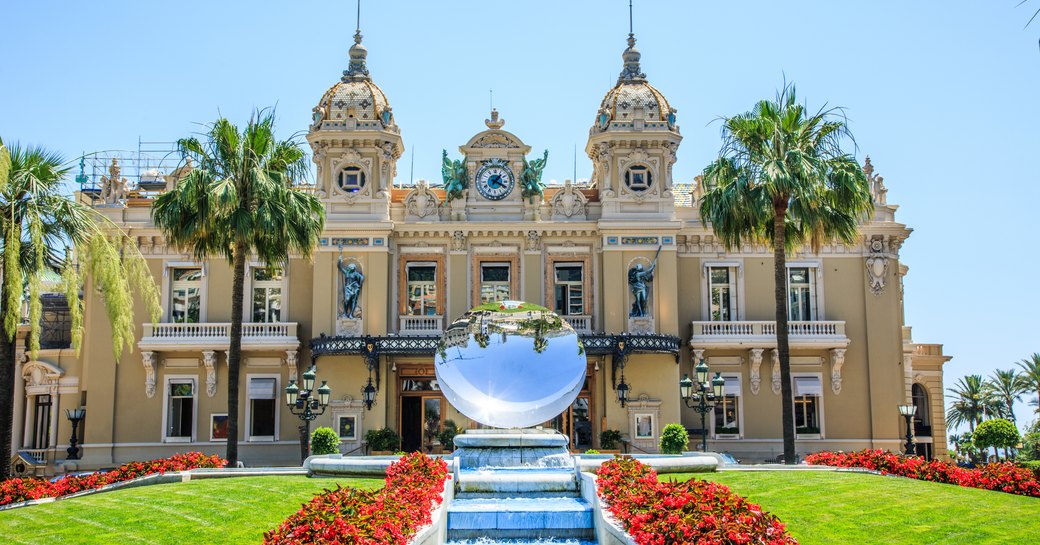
x=506, y=495
x=547, y=541
x=520, y=517
x=517, y=481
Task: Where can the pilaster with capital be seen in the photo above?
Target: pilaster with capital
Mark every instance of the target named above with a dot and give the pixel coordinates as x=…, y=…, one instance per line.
x=776, y=371
x=290, y=362
x=148, y=360
x=756, y=369
x=837, y=361
x=209, y=360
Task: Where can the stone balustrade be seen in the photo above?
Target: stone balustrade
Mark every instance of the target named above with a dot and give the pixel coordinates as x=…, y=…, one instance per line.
x=217, y=336
x=762, y=334
x=580, y=323
x=421, y=325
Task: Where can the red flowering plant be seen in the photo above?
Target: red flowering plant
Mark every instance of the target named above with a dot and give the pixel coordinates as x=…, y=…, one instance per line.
x=1004, y=477
x=390, y=515
x=19, y=490
x=694, y=511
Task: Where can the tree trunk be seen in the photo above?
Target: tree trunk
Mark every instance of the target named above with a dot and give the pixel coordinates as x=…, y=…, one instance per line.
x=782, y=346
x=235, y=349
x=7, y=382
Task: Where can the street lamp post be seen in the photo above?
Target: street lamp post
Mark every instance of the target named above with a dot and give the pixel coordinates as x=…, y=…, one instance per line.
x=307, y=405
x=702, y=395
x=75, y=416
x=908, y=413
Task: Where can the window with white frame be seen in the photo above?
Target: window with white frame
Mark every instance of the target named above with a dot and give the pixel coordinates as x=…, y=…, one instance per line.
x=180, y=409
x=263, y=408
x=268, y=285
x=727, y=409
x=808, y=394
x=801, y=293
x=722, y=293
x=422, y=289
x=569, y=289
x=494, y=282
x=186, y=295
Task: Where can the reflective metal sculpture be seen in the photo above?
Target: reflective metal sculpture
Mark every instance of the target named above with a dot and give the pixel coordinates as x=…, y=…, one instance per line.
x=510, y=364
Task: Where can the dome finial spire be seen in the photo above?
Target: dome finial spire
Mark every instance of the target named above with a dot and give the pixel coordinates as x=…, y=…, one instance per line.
x=631, y=71
x=357, y=70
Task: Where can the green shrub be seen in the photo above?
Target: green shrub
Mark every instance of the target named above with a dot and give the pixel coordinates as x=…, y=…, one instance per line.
x=674, y=439
x=447, y=435
x=399, y=453
x=592, y=451
x=1033, y=465
x=1030, y=450
x=383, y=439
x=324, y=441
x=609, y=439
x=997, y=432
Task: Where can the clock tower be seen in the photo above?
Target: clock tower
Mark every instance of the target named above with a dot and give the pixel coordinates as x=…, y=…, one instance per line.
x=494, y=161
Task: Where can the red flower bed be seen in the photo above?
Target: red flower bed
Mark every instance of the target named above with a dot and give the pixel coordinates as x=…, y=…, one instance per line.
x=695, y=512
x=1004, y=477
x=391, y=515
x=19, y=490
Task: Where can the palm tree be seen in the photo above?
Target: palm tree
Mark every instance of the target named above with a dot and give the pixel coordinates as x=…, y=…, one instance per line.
x=240, y=199
x=1030, y=377
x=1006, y=387
x=38, y=225
x=971, y=404
x=782, y=177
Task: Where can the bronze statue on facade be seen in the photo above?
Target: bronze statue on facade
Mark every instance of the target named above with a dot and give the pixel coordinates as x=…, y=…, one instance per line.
x=454, y=174
x=353, y=280
x=638, y=282
x=531, y=177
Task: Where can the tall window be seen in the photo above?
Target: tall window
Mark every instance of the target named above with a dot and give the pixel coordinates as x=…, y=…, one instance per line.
x=922, y=423
x=807, y=394
x=267, y=294
x=801, y=286
x=722, y=293
x=494, y=282
x=570, y=289
x=727, y=409
x=180, y=409
x=186, y=295
x=262, y=407
x=422, y=289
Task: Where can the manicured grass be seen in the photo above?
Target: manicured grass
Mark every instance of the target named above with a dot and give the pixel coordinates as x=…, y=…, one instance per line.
x=211, y=511
x=823, y=508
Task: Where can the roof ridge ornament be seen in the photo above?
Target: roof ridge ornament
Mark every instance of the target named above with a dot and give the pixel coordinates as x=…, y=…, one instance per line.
x=357, y=70
x=631, y=72
x=494, y=123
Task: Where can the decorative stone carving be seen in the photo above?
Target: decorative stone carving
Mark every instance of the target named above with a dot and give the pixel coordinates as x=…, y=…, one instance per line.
x=533, y=242
x=421, y=202
x=698, y=355
x=148, y=360
x=495, y=140
x=641, y=324
x=114, y=186
x=877, y=184
x=776, y=371
x=569, y=203
x=348, y=327
x=209, y=360
x=837, y=360
x=494, y=123
x=290, y=362
x=388, y=165
x=877, y=266
x=756, y=369
x=458, y=241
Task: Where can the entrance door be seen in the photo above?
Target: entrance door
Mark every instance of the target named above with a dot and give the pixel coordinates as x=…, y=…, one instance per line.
x=42, y=422
x=575, y=423
x=411, y=423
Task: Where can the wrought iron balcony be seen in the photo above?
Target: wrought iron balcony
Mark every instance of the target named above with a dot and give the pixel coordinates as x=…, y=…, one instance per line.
x=762, y=334
x=421, y=325
x=217, y=336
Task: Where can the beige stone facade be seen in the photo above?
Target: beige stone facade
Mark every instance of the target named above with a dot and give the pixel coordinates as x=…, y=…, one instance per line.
x=427, y=259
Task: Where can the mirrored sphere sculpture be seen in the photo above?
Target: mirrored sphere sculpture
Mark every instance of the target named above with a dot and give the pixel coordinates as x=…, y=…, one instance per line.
x=510, y=364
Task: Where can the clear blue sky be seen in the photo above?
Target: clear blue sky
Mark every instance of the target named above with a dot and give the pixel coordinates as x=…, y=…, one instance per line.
x=941, y=95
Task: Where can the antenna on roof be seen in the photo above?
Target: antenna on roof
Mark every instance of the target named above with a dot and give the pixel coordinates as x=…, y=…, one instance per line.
x=629, y=15
x=359, y=14
x=575, y=176
x=411, y=175
x=491, y=98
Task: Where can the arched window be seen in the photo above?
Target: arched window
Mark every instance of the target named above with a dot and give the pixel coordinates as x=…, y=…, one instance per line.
x=920, y=399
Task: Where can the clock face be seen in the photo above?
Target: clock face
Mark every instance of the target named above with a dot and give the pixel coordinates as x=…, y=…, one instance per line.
x=495, y=181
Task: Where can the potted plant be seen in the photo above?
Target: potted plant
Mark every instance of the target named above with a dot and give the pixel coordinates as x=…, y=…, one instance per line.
x=447, y=436
x=674, y=439
x=610, y=441
x=382, y=441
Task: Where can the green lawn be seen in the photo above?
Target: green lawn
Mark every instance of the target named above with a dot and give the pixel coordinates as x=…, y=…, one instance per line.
x=823, y=508
x=211, y=511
